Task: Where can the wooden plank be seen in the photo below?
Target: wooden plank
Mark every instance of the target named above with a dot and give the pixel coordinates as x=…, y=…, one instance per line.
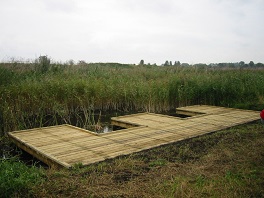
x=38, y=133
x=90, y=141
x=109, y=148
x=47, y=137
x=90, y=154
x=104, y=137
x=75, y=146
x=104, y=150
x=202, y=109
x=124, y=124
x=86, y=161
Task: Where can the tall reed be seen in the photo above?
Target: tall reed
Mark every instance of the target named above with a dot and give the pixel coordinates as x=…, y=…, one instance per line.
x=71, y=94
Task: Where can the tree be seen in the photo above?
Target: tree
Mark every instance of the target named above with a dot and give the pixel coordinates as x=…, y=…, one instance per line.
x=241, y=63
x=43, y=64
x=251, y=64
x=70, y=62
x=177, y=63
x=166, y=63
x=141, y=62
x=259, y=65
x=82, y=63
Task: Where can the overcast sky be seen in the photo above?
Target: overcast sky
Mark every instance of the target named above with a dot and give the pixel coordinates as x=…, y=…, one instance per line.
x=126, y=31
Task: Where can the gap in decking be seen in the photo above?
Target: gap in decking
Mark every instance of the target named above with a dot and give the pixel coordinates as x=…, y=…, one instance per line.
x=179, y=115
x=96, y=121
x=173, y=113
x=105, y=127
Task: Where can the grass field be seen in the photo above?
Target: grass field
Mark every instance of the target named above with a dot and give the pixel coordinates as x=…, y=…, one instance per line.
x=228, y=163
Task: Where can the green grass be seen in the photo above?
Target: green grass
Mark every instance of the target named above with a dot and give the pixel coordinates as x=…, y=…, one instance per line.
x=16, y=178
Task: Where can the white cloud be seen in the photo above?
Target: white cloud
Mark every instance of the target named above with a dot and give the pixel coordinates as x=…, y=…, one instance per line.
x=130, y=30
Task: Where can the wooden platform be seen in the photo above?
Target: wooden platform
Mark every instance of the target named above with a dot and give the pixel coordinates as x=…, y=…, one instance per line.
x=66, y=145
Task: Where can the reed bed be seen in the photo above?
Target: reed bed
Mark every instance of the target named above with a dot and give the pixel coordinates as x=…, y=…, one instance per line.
x=72, y=94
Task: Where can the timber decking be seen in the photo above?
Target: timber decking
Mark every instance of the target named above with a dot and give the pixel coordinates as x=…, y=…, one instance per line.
x=66, y=145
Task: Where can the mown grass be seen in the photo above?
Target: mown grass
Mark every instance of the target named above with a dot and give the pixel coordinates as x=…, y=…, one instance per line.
x=227, y=163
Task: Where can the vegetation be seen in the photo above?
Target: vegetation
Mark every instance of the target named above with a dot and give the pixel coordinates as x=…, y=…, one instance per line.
x=16, y=178
x=41, y=94
x=227, y=163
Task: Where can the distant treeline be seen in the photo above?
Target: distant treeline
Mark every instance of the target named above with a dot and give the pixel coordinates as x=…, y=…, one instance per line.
x=240, y=64
x=44, y=62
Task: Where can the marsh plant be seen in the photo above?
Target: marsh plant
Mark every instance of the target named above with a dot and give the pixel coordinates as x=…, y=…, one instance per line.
x=72, y=93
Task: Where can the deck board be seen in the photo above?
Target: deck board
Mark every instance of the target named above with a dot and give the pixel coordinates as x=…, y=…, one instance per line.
x=66, y=145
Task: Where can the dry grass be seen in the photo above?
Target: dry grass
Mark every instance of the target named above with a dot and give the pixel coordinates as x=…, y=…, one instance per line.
x=228, y=163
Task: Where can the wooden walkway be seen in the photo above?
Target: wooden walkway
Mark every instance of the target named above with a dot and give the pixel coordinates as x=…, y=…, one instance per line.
x=66, y=145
